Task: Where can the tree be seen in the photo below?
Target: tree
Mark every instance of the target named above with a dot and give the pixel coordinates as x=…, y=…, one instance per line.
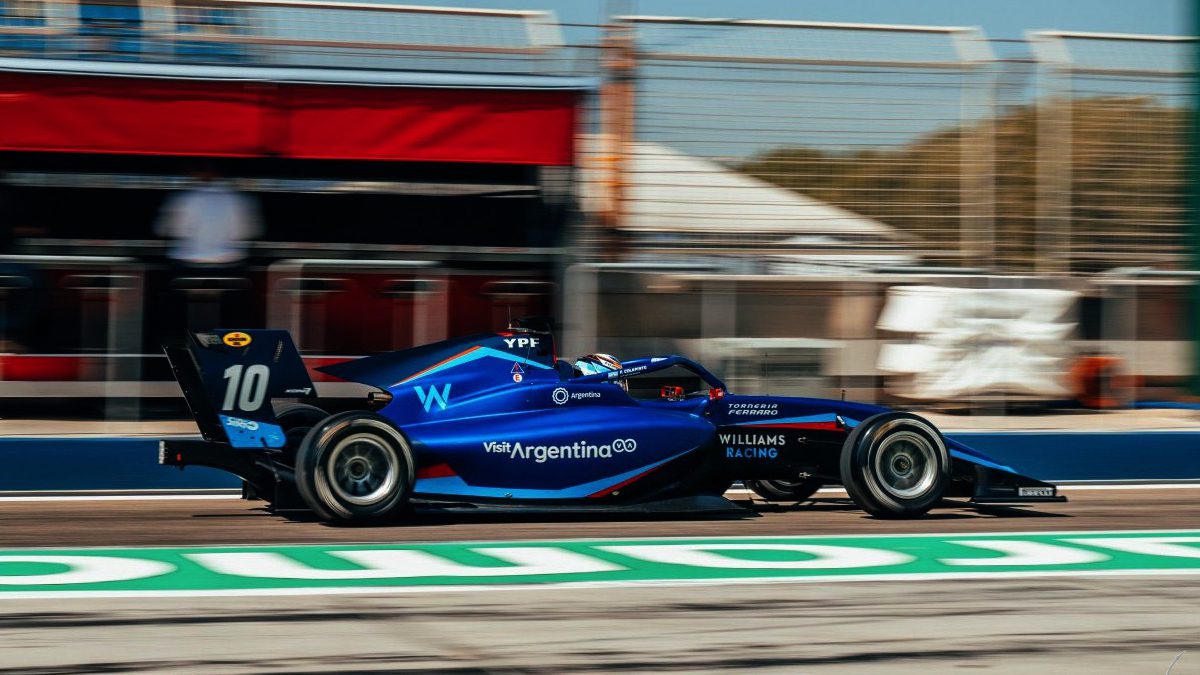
x=1127, y=186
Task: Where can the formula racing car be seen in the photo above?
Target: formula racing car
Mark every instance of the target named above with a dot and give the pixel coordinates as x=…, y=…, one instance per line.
x=497, y=421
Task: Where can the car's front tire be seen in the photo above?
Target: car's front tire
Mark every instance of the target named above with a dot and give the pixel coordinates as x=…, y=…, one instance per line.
x=785, y=490
x=355, y=467
x=895, y=465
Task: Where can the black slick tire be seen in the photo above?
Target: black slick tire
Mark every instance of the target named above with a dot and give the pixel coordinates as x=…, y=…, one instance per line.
x=355, y=467
x=895, y=465
x=296, y=419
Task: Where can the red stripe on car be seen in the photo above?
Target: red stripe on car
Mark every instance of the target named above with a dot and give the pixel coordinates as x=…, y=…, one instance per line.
x=609, y=490
x=442, y=470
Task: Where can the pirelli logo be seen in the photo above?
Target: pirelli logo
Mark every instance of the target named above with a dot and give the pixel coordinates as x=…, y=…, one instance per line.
x=236, y=339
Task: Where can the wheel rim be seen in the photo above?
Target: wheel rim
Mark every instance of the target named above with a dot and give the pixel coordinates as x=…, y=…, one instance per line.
x=363, y=469
x=906, y=464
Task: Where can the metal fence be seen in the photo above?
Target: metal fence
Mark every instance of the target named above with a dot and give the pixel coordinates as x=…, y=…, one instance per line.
x=1112, y=141
x=867, y=146
x=775, y=186
x=836, y=138
x=757, y=188
x=832, y=146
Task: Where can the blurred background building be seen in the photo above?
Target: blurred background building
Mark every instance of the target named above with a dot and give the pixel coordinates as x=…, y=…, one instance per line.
x=898, y=212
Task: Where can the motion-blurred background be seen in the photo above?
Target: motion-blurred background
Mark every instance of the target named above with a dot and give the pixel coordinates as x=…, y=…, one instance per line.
x=905, y=213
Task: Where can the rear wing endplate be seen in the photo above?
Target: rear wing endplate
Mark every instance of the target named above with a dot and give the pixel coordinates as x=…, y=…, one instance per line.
x=229, y=378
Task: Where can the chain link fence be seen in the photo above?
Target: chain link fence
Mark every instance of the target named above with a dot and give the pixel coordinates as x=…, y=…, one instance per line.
x=780, y=185
x=850, y=145
x=1112, y=139
x=860, y=147
x=752, y=191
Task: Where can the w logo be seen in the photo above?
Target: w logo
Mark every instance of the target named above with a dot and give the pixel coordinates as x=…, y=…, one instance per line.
x=434, y=396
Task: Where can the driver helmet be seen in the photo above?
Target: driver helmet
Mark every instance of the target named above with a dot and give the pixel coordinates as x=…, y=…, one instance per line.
x=593, y=364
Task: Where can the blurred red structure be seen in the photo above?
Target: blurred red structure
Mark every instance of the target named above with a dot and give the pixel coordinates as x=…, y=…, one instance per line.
x=450, y=175
x=185, y=117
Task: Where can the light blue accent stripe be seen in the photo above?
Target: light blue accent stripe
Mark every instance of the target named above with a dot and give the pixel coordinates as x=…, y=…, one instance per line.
x=982, y=461
x=475, y=355
x=823, y=417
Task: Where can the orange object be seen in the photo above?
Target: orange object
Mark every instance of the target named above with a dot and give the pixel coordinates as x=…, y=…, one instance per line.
x=1098, y=381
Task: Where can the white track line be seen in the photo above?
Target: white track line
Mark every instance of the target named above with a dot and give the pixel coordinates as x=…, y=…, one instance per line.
x=567, y=585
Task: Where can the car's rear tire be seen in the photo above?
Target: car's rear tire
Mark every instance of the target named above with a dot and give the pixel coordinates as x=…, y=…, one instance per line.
x=355, y=467
x=785, y=490
x=895, y=465
x=296, y=419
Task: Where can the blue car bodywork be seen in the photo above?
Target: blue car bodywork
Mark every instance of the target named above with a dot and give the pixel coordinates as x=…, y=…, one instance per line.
x=497, y=419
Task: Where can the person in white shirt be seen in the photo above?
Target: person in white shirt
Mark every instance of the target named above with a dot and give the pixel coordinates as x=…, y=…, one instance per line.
x=210, y=224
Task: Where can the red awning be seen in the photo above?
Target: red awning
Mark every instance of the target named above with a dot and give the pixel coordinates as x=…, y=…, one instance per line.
x=68, y=113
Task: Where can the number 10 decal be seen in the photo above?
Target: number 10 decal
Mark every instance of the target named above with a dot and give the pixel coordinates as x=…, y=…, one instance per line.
x=250, y=391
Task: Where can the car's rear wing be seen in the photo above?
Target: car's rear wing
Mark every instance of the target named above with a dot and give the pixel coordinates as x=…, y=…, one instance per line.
x=229, y=378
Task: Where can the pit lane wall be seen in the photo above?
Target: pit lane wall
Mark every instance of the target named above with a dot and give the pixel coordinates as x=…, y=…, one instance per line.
x=113, y=464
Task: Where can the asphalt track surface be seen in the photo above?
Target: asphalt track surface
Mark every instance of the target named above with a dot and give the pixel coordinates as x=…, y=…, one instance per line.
x=1034, y=625
x=233, y=521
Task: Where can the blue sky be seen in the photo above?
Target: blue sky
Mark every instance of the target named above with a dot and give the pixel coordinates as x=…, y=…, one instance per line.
x=998, y=18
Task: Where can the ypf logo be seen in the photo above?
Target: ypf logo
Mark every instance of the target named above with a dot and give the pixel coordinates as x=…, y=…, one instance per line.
x=517, y=343
x=236, y=339
x=560, y=395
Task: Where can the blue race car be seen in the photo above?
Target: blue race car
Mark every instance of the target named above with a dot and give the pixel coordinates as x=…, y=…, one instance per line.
x=497, y=421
